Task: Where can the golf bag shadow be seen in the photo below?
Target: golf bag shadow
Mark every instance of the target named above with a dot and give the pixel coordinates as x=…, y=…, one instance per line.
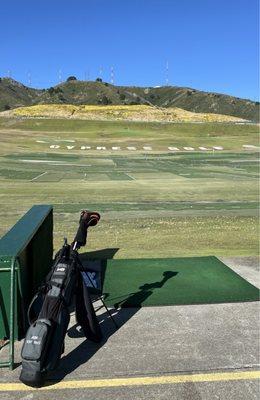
x=49, y=315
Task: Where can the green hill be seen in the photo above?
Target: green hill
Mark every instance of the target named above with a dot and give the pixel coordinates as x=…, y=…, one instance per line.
x=202, y=102
x=13, y=94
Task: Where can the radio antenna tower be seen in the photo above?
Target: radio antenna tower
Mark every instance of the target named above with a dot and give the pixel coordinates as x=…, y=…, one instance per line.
x=112, y=76
x=86, y=75
x=60, y=76
x=29, y=76
x=100, y=72
x=167, y=73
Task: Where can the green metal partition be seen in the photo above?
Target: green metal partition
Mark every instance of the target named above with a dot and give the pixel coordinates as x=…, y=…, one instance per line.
x=25, y=258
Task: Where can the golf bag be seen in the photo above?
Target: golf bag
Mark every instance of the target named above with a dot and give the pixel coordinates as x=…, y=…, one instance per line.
x=49, y=315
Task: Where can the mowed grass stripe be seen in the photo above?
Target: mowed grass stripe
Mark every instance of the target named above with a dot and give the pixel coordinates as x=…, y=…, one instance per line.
x=181, y=168
x=157, y=205
x=140, y=381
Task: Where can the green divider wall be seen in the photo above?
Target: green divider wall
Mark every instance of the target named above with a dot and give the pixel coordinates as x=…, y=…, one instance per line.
x=25, y=258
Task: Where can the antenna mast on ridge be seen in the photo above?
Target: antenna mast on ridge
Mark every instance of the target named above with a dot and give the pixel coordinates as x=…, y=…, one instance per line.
x=86, y=75
x=60, y=76
x=101, y=72
x=29, y=76
x=167, y=73
x=112, y=76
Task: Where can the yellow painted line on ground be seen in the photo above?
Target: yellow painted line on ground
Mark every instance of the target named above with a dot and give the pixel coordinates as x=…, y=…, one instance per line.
x=141, y=381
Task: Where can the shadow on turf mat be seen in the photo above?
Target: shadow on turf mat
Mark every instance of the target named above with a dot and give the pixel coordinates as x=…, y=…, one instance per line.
x=200, y=280
x=145, y=291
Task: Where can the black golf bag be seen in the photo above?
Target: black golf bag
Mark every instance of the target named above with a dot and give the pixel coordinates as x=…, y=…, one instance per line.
x=49, y=311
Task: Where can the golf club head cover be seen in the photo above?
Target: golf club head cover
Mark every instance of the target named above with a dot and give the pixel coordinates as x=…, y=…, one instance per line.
x=87, y=218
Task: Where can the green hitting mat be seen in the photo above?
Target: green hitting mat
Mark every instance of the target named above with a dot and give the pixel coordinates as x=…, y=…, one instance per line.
x=172, y=281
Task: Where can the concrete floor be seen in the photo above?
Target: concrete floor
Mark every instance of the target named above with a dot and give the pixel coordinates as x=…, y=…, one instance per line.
x=162, y=341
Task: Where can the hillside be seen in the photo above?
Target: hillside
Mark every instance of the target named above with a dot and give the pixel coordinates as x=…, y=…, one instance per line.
x=13, y=94
x=201, y=102
x=116, y=113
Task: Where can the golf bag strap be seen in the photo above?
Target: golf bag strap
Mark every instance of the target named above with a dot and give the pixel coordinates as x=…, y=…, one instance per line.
x=30, y=320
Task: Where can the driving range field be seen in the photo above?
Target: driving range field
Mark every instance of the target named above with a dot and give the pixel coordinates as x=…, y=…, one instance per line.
x=153, y=203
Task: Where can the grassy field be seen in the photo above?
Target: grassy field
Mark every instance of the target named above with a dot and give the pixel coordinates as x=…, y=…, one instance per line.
x=19, y=134
x=157, y=204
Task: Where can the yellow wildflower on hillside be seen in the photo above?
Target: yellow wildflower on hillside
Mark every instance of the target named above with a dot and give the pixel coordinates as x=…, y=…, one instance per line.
x=117, y=112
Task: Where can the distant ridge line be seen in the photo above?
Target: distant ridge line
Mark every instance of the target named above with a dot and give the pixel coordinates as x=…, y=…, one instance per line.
x=14, y=94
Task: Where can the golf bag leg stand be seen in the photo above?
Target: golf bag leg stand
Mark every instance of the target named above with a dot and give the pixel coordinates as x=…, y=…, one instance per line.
x=99, y=297
x=104, y=304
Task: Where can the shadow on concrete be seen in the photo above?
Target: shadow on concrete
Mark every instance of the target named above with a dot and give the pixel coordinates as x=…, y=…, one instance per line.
x=87, y=349
x=83, y=353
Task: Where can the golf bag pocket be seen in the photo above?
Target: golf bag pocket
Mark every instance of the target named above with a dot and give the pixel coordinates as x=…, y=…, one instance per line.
x=34, y=351
x=36, y=340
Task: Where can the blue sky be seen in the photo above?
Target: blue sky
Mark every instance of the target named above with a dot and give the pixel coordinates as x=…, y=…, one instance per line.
x=209, y=44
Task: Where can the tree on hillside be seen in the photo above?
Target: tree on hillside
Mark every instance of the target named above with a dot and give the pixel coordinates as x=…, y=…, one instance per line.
x=105, y=100
x=53, y=90
x=71, y=78
x=99, y=80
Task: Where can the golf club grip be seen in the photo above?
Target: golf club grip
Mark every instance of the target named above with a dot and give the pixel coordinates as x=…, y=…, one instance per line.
x=81, y=235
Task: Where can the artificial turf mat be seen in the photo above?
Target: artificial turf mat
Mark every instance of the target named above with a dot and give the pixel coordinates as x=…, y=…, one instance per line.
x=172, y=281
